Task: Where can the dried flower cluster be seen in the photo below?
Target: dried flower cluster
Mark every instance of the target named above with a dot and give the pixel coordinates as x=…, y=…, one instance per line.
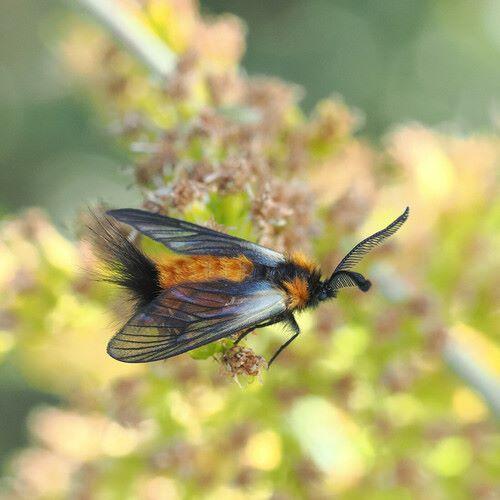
x=242, y=361
x=365, y=402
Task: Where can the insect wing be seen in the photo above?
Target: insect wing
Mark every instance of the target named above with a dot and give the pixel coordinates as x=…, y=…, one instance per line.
x=188, y=316
x=184, y=237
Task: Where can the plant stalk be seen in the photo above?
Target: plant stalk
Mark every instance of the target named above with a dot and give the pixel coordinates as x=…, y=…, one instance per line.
x=144, y=44
x=475, y=375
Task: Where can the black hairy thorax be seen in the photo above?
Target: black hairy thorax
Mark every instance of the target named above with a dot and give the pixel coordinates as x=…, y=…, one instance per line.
x=289, y=271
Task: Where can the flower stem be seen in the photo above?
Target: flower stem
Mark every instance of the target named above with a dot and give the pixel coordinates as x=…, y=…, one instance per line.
x=474, y=374
x=145, y=45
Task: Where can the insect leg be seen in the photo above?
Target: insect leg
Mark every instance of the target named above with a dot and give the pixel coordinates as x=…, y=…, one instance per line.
x=295, y=327
x=244, y=333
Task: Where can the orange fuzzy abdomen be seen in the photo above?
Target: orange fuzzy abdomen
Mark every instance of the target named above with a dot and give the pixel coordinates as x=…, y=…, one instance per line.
x=178, y=269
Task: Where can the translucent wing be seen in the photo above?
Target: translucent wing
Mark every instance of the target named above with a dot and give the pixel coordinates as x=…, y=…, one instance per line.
x=191, y=239
x=362, y=248
x=187, y=316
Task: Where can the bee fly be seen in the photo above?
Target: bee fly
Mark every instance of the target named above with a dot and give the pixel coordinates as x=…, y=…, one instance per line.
x=214, y=286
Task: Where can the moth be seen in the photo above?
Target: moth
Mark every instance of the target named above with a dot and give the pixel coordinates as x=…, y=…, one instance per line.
x=213, y=286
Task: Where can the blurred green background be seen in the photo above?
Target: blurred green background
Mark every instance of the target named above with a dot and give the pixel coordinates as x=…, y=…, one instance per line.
x=396, y=60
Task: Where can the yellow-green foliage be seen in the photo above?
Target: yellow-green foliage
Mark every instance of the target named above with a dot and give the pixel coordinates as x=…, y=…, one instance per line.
x=364, y=404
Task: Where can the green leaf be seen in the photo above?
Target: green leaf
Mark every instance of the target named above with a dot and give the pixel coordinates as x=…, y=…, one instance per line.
x=206, y=351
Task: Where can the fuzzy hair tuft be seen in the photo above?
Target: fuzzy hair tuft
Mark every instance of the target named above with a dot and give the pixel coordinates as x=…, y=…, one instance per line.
x=122, y=263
